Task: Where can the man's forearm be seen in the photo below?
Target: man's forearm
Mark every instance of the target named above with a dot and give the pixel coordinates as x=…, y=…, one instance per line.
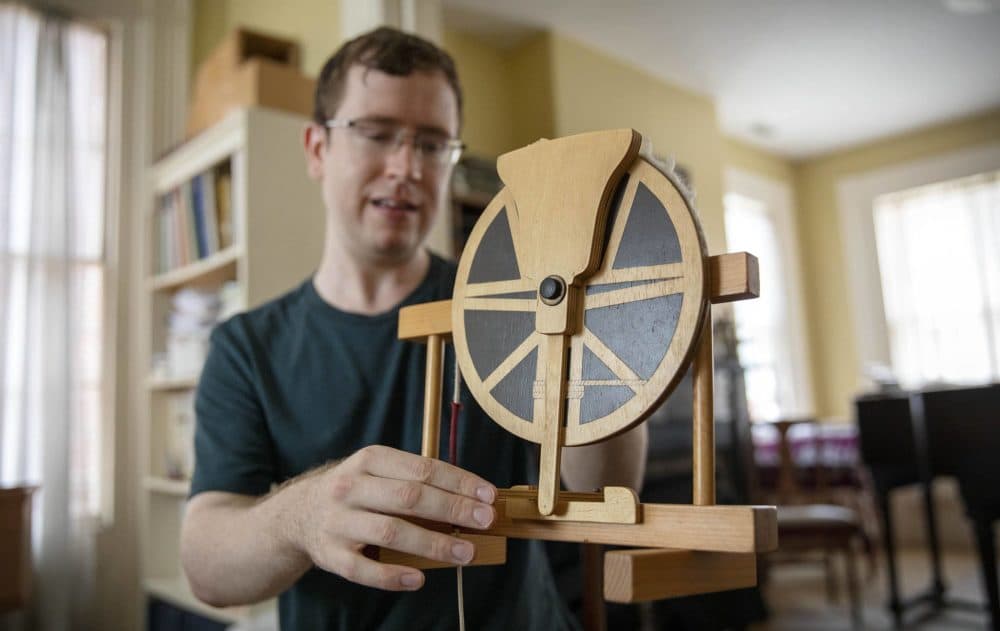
x=238, y=549
x=619, y=461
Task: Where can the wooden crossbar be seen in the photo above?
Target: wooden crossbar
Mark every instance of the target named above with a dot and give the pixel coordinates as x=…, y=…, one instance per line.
x=632, y=576
x=732, y=277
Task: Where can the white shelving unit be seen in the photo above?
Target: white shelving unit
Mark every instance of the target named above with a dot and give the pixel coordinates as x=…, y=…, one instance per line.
x=278, y=220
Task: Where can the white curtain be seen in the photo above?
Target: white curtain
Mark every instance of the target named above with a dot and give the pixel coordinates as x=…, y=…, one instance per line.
x=763, y=325
x=52, y=148
x=939, y=258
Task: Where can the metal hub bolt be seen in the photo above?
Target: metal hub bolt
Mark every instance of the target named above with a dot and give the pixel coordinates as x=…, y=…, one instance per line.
x=552, y=290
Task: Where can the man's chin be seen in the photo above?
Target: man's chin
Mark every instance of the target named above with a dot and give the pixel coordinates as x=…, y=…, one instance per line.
x=395, y=252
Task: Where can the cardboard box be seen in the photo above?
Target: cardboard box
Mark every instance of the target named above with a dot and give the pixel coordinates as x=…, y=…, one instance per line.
x=249, y=69
x=242, y=45
x=258, y=82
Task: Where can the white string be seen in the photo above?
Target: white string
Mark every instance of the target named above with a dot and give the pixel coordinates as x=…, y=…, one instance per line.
x=456, y=398
x=461, y=601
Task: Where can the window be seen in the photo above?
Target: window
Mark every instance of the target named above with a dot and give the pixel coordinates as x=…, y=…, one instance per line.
x=52, y=252
x=939, y=261
x=769, y=331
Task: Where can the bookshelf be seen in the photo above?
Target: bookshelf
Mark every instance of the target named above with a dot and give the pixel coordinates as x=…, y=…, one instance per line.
x=233, y=213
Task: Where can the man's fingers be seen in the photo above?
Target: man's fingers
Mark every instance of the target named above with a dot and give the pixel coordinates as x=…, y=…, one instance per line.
x=386, y=531
x=386, y=462
x=415, y=499
x=357, y=568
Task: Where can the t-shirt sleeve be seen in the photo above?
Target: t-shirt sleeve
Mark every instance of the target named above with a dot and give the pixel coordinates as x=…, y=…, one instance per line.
x=233, y=448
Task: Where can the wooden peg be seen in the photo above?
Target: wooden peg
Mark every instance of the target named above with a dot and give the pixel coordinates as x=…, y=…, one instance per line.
x=432, y=397
x=733, y=276
x=703, y=420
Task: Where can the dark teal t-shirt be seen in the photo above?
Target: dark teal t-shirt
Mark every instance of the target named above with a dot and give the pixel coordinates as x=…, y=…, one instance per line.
x=296, y=383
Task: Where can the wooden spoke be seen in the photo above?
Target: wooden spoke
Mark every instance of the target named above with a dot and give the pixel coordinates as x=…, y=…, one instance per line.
x=606, y=355
x=618, y=229
x=499, y=304
x=512, y=360
x=514, y=220
x=635, y=384
x=633, y=294
x=474, y=290
x=633, y=274
x=575, y=376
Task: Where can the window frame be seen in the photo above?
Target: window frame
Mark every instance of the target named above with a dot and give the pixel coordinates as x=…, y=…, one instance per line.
x=856, y=204
x=777, y=200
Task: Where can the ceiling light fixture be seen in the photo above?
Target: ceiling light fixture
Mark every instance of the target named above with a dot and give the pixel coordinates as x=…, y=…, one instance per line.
x=970, y=7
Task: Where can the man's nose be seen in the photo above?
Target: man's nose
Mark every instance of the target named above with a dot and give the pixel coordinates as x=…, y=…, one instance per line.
x=404, y=160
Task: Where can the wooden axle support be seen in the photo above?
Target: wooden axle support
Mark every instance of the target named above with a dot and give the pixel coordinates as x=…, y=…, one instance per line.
x=712, y=548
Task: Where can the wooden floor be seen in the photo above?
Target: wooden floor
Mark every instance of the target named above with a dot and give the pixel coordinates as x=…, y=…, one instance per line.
x=796, y=596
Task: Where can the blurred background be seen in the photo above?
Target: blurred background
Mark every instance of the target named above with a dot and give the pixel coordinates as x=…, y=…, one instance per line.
x=151, y=184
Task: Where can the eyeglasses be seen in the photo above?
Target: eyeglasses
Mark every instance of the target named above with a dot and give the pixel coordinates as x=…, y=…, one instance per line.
x=382, y=138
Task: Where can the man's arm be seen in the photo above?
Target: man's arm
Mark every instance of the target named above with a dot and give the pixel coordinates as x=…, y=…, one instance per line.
x=238, y=549
x=619, y=461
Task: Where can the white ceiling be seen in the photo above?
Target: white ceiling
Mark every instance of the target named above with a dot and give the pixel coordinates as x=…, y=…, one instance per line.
x=798, y=77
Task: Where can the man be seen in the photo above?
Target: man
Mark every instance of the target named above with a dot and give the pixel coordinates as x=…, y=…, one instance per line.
x=313, y=392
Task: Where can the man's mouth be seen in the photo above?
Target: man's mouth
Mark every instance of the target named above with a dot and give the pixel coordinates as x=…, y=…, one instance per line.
x=392, y=203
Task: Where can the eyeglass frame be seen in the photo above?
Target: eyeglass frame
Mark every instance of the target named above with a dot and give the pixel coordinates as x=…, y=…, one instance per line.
x=453, y=146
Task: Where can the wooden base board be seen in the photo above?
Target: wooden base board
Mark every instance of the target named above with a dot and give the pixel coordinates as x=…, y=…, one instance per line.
x=688, y=527
x=640, y=575
x=745, y=529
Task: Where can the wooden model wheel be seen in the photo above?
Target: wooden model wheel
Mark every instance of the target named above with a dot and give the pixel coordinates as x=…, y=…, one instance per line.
x=632, y=337
x=583, y=293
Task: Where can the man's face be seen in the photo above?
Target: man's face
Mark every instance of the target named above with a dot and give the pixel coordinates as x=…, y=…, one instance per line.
x=381, y=204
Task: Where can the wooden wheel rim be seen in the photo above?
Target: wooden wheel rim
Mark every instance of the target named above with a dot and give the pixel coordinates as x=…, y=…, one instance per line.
x=642, y=311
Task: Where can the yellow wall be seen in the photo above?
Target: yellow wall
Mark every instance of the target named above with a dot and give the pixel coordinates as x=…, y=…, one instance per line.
x=315, y=24
x=484, y=74
x=593, y=91
x=508, y=92
x=833, y=343
x=739, y=155
x=531, y=82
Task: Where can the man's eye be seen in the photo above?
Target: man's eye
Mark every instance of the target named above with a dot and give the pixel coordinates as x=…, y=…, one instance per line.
x=431, y=146
x=378, y=134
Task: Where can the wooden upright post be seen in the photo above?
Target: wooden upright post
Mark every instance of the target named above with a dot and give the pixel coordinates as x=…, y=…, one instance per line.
x=703, y=429
x=432, y=397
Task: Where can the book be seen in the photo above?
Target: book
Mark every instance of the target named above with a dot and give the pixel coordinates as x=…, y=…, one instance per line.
x=211, y=212
x=181, y=221
x=224, y=204
x=198, y=213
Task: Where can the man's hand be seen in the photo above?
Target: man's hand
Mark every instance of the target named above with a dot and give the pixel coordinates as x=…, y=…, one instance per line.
x=358, y=502
x=239, y=549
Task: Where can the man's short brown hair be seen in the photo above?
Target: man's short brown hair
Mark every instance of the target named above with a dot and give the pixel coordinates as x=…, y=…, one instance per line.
x=387, y=50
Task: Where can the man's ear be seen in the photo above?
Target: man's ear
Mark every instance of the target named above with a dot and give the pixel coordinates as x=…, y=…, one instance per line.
x=313, y=143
